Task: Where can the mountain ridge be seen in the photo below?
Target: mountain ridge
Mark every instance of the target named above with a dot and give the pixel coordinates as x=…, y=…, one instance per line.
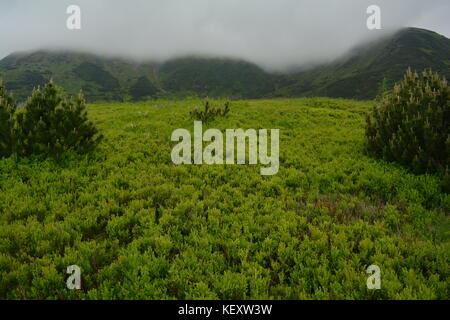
x=387, y=59
x=358, y=75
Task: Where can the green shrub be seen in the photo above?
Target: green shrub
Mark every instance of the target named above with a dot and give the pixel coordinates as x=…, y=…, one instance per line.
x=7, y=109
x=209, y=114
x=50, y=123
x=411, y=126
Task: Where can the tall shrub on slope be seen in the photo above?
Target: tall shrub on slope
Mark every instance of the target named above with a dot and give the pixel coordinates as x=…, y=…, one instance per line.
x=412, y=124
x=7, y=110
x=51, y=123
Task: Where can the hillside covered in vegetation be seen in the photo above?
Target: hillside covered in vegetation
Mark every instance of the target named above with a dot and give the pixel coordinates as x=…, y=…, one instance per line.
x=358, y=75
x=140, y=227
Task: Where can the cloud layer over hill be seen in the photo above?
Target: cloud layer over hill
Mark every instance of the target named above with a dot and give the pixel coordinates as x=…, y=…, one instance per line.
x=276, y=34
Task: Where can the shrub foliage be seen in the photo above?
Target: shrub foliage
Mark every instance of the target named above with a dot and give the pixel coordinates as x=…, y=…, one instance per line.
x=7, y=109
x=411, y=126
x=48, y=124
x=209, y=114
x=140, y=227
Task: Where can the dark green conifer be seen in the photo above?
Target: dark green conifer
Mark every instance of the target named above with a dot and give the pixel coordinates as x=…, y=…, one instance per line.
x=51, y=123
x=411, y=125
x=209, y=114
x=7, y=110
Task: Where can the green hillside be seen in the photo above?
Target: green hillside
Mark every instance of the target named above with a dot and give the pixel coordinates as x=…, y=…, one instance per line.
x=100, y=78
x=358, y=75
x=140, y=227
x=216, y=78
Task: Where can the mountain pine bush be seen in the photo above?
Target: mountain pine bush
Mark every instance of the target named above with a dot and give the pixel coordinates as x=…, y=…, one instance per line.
x=209, y=114
x=411, y=126
x=7, y=110
x=50, y=123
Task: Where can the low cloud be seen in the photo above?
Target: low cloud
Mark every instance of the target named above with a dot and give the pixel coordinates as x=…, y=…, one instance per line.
x=275, y=34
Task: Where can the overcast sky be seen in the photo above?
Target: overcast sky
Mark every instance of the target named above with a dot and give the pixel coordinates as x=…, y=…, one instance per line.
x=272, y=33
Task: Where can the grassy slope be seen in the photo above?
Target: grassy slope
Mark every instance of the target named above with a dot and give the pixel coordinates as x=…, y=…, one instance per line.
x=140, y=227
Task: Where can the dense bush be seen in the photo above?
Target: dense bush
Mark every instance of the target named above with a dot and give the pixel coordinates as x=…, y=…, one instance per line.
x=412, y=124
x=209, y=114
x=7, y=109
x=50, y=123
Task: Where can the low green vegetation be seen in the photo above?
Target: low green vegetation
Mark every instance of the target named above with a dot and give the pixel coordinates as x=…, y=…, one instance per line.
x=140, y=227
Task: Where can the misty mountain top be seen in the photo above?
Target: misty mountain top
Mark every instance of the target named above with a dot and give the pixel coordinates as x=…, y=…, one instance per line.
x=275, y=34
x=358, y=74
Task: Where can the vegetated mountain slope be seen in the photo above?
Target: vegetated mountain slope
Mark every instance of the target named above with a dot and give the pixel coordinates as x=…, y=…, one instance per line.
x=103, y=79
x=217, y=77
x=358, y=75
x=100, y=78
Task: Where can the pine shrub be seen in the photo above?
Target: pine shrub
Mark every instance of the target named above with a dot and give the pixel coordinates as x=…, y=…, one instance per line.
x=50, y=123
x=411, y=125
x=7, y=110
x=209, y=114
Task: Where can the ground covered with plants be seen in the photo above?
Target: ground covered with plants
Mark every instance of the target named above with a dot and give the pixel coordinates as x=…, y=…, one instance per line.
x=140, y=227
